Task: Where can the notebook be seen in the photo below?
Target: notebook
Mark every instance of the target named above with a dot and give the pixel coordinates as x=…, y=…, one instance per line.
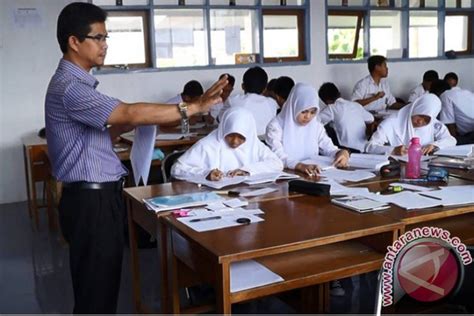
x=360, y=204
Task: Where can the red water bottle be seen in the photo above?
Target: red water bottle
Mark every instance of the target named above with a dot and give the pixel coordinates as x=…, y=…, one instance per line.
x=414, y=157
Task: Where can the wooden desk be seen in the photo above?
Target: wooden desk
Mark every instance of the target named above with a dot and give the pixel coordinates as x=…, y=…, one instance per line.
x=306, y=240
x=138, y=214
x=459, y=220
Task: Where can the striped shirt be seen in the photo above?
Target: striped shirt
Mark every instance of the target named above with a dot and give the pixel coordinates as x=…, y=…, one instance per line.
x=79, y=144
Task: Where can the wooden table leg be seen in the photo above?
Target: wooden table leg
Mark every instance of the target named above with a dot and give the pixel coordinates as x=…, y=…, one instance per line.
x=165, y=256
x=135, y=265
x=223, y=289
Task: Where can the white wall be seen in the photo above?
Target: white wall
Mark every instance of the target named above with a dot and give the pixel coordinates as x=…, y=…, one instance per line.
x=30, y=55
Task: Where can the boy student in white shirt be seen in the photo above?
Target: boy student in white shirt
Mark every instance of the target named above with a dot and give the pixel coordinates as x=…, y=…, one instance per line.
x=373, y=91
x=283, y=86
x=192, y=91
x=295, y=135
x=418, y=119
x=452, y=79
x=457, y=111
x=423, y=88
x=216, y=109
x=232, y=150
x=349, y=118
x=263, y=109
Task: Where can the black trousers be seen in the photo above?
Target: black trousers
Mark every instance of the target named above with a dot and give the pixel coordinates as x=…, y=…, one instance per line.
x=92, y=222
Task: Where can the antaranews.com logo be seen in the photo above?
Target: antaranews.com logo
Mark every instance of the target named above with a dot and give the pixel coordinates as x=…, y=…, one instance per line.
x=425, y=263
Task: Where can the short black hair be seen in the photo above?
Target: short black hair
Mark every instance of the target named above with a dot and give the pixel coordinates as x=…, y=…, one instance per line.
x=75, y=20
x=271, y=85
x=374, y=61
x=230, y=78
x=451, y=75
x=255, y=80
x=438, y=87
x=430, y=76
x=328, y=92
x=283, y=86
x=193, y=89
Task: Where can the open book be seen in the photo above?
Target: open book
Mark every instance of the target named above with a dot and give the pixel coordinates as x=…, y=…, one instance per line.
x=250, y=180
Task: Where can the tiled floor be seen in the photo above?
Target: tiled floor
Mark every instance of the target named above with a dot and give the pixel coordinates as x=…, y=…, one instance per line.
x=34, y=274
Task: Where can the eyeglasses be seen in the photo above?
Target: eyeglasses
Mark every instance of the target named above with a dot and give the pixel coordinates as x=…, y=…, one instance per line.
x=98, y=38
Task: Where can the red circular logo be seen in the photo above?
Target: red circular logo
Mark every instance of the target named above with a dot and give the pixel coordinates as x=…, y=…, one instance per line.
x=428, y=272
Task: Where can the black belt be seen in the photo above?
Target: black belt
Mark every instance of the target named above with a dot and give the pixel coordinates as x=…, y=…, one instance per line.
x=82, y=185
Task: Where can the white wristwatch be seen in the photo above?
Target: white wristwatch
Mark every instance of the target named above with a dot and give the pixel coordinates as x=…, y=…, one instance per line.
x=183, y=110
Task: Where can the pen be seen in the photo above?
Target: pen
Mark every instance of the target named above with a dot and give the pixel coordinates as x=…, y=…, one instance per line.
x=414, y=180
x=204, y=219
x=430, y=197
x=380, y=208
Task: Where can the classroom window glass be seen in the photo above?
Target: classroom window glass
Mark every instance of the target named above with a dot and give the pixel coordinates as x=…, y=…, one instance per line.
x=385, y=32
x=232, y=2
x=345, y=35
x=457, y=26
x=283, y=24
x=386, y=3
x=234, y=37
x=423, y=34
x=346, y=3
x=423, y=3
x=127, y=42
x=180, y=38
x=458, y=3
x=179, y=2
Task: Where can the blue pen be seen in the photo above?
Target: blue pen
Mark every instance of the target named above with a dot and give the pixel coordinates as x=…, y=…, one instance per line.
x=414, y=180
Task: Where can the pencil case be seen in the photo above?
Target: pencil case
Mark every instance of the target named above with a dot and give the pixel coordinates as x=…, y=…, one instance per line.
x=311, y=188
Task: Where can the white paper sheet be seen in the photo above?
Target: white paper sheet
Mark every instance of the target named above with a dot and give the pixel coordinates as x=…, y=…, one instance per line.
x=262, y=178
x=234, y=203
x=411, y=200
x=142, y=151
x=368, y=161
x=412, y=187
x=323, y=162
x=339, y=189
x=457, y=151
x=224, y=182
x=249, y=274
x=454, y=196
x=404, y=158
x=347, y=175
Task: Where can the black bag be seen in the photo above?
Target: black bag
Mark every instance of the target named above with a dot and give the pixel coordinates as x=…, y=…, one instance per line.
x=311, y=188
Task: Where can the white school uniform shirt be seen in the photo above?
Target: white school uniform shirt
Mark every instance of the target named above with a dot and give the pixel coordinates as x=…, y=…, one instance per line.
x=216, y=109
x=350, y=120
x=398, y=129
x=213, y=152
x=417, y=92
x=366, y=87
x=458, y=108
x=292, y=142
x=263, y=109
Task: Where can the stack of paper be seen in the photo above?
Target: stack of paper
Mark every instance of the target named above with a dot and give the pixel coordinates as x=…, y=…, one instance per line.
x=224, y=182
x=173, y=136
x=464, y=151
x=346, y=175
x=368, y=161
x=250, y=180
x=323, y=162
x=411, y=200
x=249, y=274
x=172, y=202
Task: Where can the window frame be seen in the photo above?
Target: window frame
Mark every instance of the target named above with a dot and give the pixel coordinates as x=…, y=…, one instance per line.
x=304, y=56
x=360, y=17
x=300, y=17
x=468, y=50
x=133, y=13
x=366, y=7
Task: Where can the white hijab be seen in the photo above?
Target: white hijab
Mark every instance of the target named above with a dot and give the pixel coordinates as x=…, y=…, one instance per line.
x=402, y=130
x=300, y=142
x=213, y=151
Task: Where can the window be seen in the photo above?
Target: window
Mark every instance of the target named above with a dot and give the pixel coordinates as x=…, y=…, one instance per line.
x=423, y=34
x=345, y=35
x=399, y=29
x=459, y=39
x=128, y=40
x=287, y=24
x=165, y=34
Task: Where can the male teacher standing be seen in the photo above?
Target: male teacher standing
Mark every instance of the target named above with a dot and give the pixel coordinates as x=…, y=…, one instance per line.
x=80, y=123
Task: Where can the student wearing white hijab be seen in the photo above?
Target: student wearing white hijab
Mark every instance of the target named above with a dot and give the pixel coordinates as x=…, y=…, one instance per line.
x=415, y=120
x=233, y=149
x=295, y=135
